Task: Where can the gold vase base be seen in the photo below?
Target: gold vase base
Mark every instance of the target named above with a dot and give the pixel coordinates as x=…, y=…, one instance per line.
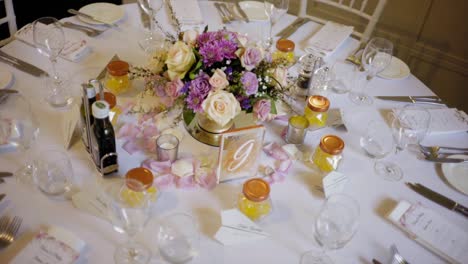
x=205, y=136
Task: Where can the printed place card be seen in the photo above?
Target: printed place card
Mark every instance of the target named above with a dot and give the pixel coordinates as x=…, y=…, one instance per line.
x=236, y=228
x=333, y=183
x=91, y=203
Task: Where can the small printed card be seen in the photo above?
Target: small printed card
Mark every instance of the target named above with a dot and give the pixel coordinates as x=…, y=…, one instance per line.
x=54, y=246
x=91, y=203
x=329, y=37
x=236, y=228
x=432, y=231
x=333, y=183
x=71, y=126
x=239, y=152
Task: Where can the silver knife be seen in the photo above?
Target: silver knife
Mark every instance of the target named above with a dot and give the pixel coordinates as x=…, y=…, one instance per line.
x=241, y=11
x=4, y=174
x=438, y=198
x=413, y=99
x=447, y=160
x=144, y=17
x=21, y=65
x=289, y=30
x=78, y=13
x=2, y=196
x=7, y=91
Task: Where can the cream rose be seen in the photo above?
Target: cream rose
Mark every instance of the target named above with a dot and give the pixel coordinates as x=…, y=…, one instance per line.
x=218, y=80
x=190, y=36
x=221, y=106
x=180, y=58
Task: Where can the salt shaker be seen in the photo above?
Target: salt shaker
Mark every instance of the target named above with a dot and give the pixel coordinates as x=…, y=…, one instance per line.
x=308, y=64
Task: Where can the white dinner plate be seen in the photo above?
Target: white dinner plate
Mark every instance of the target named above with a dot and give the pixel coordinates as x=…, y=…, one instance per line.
x=106, y=12
x=6, y=79
x=396, y=70
x=457, y=173
x=255, y=11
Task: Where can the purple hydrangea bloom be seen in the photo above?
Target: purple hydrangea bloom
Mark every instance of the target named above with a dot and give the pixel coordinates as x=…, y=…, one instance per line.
x=185, y=88
x=250, y=82
x=217, y=46
x=244, y=102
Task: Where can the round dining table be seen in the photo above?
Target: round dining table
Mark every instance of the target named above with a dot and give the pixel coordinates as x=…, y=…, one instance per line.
x=296, y=200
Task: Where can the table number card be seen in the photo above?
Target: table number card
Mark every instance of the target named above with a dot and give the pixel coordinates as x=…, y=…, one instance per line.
x=432, y=231
x=239, y=152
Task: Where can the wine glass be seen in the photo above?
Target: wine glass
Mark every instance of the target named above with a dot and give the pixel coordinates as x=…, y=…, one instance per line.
x=49, y=39
x=178, y=238
x=335, y=225
x=151, y=8
x=410, y=125
x=53, y=172
x=129, y=205
x=274, y=9
x=375, y=58
x=19, y=128
x=378, y=142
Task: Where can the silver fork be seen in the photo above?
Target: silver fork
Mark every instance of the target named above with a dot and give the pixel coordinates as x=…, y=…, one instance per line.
x=396, y=255
x=221, y=12
x=8, y=230
x=92, y=32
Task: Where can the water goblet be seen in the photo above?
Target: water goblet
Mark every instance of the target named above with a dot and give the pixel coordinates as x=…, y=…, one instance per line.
x=178, y=238
x=19, y=128
x=377, y=142
x=335, y=225
x=129, y=206
x=49, y=39
x=274, y=9
x=375, y=58
x=152, y=41
x=410, y=125
x=53, y=173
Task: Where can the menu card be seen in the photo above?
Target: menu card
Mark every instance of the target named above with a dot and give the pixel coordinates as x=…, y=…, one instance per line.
x=187, y=11
x=329, y=37
x=55, y=246
x=432, y=231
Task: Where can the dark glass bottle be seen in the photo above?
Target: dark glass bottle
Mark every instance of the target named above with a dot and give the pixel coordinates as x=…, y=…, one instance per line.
x=91, y=98
x=103, y=139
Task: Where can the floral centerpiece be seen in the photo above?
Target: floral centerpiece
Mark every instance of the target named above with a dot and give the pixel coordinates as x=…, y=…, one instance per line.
x=215, y=76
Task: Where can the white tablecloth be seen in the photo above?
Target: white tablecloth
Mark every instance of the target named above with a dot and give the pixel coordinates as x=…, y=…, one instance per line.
x=296, y=200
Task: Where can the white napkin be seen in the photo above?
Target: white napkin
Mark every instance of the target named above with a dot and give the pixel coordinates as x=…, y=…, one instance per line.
x=446, y=121
x=75, y=48
x=187, y=11
x=329, y=37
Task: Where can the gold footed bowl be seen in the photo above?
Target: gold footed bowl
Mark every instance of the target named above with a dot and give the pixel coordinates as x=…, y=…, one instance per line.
x=205, y=130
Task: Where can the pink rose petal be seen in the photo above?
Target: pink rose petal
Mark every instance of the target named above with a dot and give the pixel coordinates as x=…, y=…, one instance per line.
x=283, y=133
x=185, y=182
x=161, y=166
x=207, y=179
x=284, y=118
x=274, y=150
x=128, y=130
x=164, y=181
x=131, y=146
x=284, y=165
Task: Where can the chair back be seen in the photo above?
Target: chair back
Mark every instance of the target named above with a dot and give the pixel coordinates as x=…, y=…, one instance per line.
x=9, y=18
x=358, y=8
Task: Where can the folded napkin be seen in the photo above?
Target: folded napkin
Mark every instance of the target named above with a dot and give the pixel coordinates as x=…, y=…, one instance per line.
x=187, y=11
x=74, y=49
x=329, y=37
x=446, y=120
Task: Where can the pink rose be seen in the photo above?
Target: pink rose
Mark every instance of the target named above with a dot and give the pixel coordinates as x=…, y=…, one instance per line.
x=173, y=87
x=261, y=109
x=218, y=80
x=251, y=57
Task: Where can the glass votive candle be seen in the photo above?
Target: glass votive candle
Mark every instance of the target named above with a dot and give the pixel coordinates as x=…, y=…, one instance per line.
x=297, y=127
x=167, y=147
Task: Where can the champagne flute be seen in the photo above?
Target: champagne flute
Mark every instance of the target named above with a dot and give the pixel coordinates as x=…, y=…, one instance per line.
x=151, y=8
x=376, y=57
x=378, y=142
x=335, y=225
x=129, y=205
x=274, y=9
x=19, y=128
x=49, y=39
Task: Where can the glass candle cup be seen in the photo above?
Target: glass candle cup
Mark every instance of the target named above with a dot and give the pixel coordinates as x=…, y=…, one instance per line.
x=254, y=201
x=327, y=155
x=167, y=147
x=297, y=127
x=316, y=111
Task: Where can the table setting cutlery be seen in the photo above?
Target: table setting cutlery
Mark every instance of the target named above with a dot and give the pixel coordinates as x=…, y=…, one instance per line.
x=2, y=195
x=396, y=255
x=241, y=11
x=8, y=230
x=21, y=65
x=354, y=58
x=78, y=13
x=413, y=99
x=224, y=17
x=91, y=32
x=4, y=174
x=446, y=160
x=289, y=30
x=438, y=198
x=434, y=152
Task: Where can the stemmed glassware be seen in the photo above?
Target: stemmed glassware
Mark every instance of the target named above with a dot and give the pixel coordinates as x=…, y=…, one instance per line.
x=151, y=8
x=49, y=39
x=129, y=205
x=375, y=58
x=274, y=9
x=19, y=128
x=335, y=225
x=410, y=125
x=378, y=142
